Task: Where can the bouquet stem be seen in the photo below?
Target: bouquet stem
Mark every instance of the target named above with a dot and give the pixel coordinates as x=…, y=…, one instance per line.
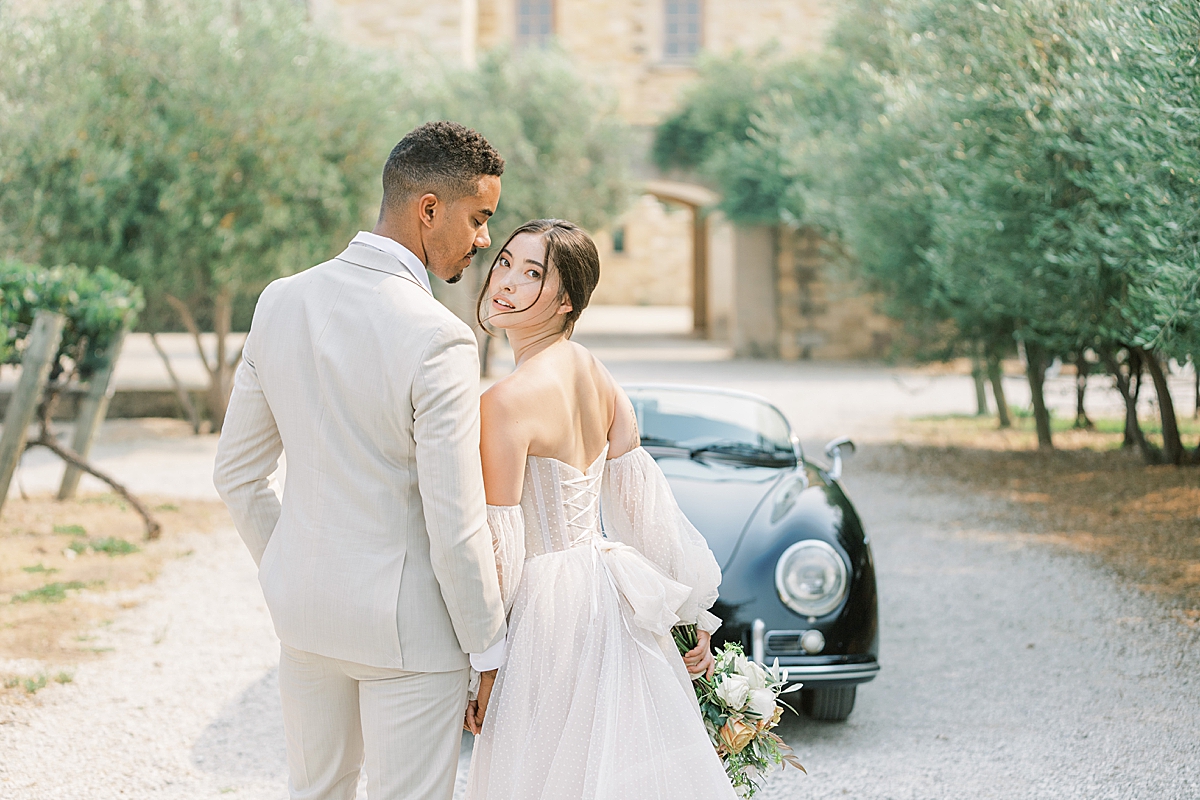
x=685, y=637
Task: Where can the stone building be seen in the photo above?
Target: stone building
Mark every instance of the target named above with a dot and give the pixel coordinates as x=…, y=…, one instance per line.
x=768, y=291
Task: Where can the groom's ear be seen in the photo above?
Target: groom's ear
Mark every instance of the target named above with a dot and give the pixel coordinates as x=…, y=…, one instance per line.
x=427, y=207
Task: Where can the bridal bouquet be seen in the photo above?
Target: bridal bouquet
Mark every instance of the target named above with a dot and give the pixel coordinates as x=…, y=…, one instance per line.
x=741, y=706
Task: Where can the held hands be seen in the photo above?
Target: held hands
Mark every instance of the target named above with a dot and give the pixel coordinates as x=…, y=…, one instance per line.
x=473, y=721
x=698, y=659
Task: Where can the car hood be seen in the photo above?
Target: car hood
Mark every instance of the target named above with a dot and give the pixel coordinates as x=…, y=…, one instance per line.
x=719, y=497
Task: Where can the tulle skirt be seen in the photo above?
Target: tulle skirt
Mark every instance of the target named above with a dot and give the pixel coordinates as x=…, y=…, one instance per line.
x=588, y=705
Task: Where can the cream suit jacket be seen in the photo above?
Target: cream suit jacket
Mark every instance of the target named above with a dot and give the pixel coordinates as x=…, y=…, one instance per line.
x=379, y=553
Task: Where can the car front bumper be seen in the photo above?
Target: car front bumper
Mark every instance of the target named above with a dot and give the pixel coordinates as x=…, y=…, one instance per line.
x=826, y=675
x=815, y=670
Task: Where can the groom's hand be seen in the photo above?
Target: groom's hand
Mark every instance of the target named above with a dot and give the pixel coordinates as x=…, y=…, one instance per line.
x=477, y=708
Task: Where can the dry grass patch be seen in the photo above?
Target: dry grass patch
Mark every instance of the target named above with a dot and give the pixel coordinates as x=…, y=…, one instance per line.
x=66, y=568
x=1087, y=495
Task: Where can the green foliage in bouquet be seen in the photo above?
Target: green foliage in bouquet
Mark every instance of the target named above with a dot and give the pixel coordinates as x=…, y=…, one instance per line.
x=96, y=304
x=741, y=707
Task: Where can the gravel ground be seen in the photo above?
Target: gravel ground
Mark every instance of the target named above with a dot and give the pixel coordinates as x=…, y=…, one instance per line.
x=1008, y=672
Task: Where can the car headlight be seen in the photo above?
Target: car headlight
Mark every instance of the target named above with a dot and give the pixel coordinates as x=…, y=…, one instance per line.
x=811, y=578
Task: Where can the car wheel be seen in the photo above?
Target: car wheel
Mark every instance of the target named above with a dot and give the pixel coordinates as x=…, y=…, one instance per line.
x=832, y=704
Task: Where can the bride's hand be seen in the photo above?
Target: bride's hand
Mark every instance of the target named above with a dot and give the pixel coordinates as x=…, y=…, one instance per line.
x=469, y=717
x=477, y=708
x=698, y=659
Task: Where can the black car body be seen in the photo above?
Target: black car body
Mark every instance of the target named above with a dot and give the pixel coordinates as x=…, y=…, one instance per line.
x=798, y=577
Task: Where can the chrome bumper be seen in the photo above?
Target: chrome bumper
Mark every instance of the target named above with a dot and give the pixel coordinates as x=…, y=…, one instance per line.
x=811, y=673
x=831, y=673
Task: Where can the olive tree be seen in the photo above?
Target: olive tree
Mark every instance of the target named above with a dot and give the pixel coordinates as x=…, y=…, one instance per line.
x=199, y=153
x=1023, y=172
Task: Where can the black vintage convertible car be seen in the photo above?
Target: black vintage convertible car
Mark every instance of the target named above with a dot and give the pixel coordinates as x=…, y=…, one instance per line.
x=799, y=580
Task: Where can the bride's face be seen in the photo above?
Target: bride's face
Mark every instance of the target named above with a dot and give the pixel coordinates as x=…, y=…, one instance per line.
x=523, y=291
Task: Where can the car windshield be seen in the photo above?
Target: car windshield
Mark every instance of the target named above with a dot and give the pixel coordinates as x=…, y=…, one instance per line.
x=712, y=424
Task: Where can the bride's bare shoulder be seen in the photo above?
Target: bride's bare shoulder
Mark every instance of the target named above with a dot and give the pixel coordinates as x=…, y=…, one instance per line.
x=518, y=393
x=505, y=395
x=622, y=427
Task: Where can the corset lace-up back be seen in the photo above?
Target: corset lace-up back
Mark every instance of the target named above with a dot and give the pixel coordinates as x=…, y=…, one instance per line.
x=561, y=504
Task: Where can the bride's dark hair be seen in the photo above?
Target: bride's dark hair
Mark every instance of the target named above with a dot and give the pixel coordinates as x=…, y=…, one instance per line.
x=570, y=252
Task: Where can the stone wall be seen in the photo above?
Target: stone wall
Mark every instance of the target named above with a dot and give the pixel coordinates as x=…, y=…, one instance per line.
x=824, y=313
x=655, y=267
x=446, y=30
x=618, y=41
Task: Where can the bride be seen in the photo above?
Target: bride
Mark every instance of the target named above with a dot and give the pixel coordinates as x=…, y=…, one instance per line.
x=594, y=700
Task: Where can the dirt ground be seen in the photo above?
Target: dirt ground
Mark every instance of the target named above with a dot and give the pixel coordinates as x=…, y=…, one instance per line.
x=1087, y=495
x=66, y=568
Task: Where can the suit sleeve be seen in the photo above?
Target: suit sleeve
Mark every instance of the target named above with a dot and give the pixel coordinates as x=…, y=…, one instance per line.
x=247, y=454
x=445, y=399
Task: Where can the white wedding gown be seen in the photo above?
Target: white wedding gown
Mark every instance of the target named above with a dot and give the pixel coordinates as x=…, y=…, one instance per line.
x=593, y=701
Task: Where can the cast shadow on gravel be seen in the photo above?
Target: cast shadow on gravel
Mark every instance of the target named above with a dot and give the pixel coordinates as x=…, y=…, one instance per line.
x=246, y=739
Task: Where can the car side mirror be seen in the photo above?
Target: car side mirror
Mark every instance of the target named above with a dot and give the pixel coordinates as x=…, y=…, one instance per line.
x=833, y=451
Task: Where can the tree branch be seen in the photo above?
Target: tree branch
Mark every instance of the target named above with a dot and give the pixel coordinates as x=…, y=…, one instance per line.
x=46, y=439
x=185, y=400
x=189, y=322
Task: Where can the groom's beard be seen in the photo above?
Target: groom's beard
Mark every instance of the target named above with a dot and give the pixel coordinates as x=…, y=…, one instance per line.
x=470, y=258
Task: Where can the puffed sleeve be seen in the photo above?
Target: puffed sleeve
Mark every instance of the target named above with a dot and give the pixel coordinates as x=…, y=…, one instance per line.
x=507, y=524
x=639, y=510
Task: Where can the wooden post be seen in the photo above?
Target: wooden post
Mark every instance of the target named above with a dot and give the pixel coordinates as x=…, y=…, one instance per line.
x=699, y=273
x=92, y=412
x=39, y=355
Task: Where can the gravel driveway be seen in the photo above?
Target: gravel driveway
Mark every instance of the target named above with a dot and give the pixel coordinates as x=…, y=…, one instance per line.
x=1009, y=671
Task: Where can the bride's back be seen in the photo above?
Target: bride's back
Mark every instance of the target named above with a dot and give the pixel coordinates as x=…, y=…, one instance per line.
x=566, y=400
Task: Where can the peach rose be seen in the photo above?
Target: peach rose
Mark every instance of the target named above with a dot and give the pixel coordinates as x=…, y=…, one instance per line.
x=735, y=735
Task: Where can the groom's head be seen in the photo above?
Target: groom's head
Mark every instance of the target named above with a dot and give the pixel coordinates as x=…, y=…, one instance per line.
x=441, y=184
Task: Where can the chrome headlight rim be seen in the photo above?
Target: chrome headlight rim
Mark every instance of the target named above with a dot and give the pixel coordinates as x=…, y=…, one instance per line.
x=808, y=608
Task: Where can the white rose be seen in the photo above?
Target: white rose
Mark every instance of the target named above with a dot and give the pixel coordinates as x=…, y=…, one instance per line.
x=755, y=675
x=762, y=703
x=762, y=678
x=733, y=691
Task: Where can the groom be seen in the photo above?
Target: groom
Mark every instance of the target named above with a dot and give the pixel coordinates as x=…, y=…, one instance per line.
x=377, y=567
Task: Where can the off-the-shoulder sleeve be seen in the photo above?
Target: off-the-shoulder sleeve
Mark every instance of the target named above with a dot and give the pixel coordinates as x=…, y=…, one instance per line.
x=640, y=510
x=507, y=524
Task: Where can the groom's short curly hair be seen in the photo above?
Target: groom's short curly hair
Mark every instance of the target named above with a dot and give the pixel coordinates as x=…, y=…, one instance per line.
x=444, y=158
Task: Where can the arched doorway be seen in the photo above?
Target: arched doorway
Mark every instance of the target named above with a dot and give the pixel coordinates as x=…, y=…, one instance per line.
x=697, y=199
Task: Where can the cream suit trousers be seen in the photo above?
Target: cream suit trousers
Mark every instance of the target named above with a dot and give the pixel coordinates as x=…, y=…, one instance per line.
x=405, y=727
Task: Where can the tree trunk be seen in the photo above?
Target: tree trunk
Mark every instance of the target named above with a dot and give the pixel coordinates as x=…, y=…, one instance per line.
x=1172, y=443
x=1129, y=386
x=1133, y=428
x=1196, y=388
x=1035, y=368
x=220, y=372
x=1082, y=368
x=185, y=401
x=977, y=375
x=222, y=376
x=996, y=377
